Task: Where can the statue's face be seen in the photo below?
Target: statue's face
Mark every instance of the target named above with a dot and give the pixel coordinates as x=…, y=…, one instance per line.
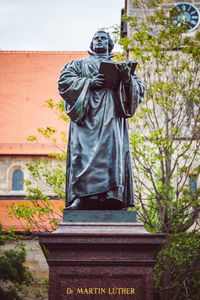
x=100, y=43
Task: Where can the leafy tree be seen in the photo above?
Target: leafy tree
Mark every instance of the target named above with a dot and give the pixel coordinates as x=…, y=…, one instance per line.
x=47, y=180
x=12, y=270
x=179, y=264
x=51, y=133
x=39, y=213
x=17, y=282
x=165, y=142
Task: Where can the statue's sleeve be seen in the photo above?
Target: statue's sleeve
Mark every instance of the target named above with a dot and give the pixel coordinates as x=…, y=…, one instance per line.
x=74, y=89
x=129, y=95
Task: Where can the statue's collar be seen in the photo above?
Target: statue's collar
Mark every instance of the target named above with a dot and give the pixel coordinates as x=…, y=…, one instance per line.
x=105, y=56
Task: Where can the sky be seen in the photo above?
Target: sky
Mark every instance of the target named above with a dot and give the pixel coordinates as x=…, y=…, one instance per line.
x=55, y=25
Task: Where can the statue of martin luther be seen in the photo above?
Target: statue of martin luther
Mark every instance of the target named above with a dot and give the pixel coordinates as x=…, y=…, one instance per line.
x=99, y=173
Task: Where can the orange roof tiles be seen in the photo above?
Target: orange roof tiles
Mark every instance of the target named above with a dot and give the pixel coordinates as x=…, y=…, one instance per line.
x=27, y=79
x=43, y=224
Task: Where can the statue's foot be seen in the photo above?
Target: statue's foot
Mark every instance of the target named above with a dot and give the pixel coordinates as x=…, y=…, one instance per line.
x=84, y=204
x=76, y=205
x=112, y=204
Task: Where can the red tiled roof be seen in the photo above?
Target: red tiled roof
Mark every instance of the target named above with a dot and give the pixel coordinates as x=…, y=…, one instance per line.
x=43, y=224
x=27, y=79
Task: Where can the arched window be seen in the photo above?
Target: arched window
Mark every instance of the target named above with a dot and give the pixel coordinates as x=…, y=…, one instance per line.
x=17, y=180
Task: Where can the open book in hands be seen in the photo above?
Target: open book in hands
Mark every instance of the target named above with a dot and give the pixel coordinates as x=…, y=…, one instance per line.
x=111, y=73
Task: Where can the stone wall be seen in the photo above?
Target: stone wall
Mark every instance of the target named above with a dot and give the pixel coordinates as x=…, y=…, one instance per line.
x=139, y=11
x=8, y=164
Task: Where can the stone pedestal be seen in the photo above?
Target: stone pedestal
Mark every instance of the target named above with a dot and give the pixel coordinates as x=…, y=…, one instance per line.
x=100, y=260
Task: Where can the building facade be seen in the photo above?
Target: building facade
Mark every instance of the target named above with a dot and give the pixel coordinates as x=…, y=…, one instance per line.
x=191, y=9
x=27, y=80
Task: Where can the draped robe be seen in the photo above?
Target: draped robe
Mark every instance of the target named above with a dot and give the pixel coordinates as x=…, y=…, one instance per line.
x=98, y=156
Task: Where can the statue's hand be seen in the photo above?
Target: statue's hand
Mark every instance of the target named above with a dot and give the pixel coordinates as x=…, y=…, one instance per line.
x=97, y=81
x=124, y=71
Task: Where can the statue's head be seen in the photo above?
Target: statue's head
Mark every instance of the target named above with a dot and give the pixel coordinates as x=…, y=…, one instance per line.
x=101, y=42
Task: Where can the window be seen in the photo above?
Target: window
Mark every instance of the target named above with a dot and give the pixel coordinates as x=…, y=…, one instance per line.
x=193, y=183
x=190, y=109
x=17, y=180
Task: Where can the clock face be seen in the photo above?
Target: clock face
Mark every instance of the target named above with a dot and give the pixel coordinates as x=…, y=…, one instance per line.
x=189, y=13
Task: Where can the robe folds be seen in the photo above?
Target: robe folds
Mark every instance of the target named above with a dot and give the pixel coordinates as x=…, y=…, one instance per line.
x=98, y=156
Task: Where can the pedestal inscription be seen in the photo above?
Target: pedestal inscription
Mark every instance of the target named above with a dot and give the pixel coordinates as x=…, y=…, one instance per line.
x=90, y=260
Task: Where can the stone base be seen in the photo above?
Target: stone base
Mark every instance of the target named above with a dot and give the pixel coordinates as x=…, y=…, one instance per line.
x=99, y=216
x=90, y=260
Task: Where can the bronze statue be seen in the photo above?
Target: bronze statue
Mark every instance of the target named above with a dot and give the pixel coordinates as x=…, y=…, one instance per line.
x=98, y=159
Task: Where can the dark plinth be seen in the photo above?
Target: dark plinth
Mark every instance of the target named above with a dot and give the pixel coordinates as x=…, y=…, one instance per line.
x=108, y=216
x=100, y=260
